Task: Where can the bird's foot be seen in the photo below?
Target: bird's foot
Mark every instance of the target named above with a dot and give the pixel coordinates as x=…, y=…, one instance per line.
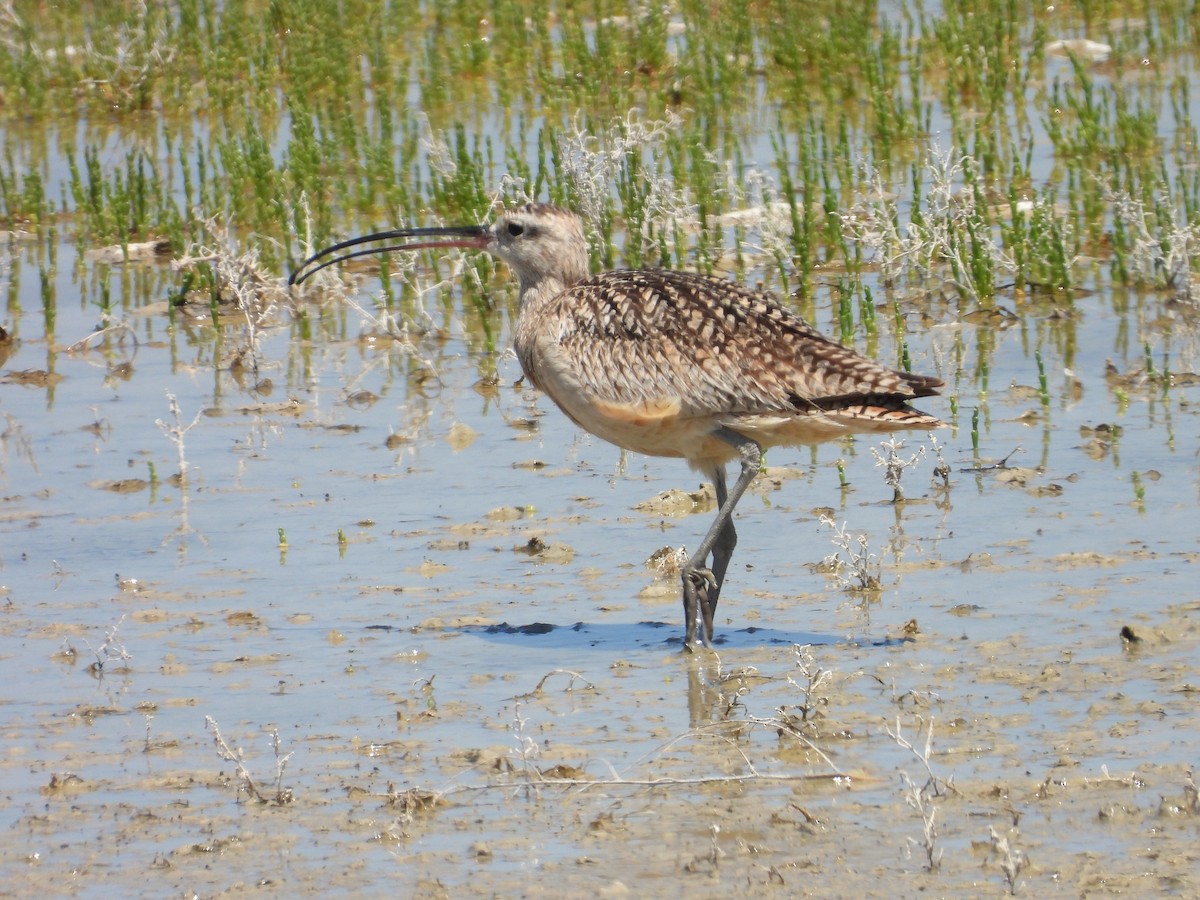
x=702, y=580
x=699, y=585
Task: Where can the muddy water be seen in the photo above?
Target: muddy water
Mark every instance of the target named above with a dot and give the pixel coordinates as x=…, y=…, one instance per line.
x=456, y=675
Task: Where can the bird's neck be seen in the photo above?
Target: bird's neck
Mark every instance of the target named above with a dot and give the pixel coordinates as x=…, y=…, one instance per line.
x=535, y=293
x=542, y=283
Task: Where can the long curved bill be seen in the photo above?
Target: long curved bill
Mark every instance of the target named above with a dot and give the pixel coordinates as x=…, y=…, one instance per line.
x=473, y=237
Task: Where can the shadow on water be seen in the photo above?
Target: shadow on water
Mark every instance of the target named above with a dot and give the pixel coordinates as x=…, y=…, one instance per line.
x=639, y=635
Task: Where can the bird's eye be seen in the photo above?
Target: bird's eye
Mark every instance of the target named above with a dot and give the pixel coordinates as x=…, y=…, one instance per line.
x=516, y=229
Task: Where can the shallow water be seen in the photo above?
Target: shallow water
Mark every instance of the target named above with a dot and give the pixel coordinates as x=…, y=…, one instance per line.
x=376, y=660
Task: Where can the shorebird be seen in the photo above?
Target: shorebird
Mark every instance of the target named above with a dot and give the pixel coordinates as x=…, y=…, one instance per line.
x=670, y=363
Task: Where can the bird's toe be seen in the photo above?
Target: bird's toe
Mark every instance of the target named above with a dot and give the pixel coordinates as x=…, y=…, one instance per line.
x=701, y=579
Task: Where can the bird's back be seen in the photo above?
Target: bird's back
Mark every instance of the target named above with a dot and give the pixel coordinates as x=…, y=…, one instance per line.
x=655, y=361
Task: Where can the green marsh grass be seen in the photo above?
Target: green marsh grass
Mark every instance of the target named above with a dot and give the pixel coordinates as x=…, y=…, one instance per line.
x=928, y=162
x=1139, y=489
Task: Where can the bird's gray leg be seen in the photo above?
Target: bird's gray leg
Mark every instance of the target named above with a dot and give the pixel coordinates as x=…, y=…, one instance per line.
x=722, y=552
x=701, y=586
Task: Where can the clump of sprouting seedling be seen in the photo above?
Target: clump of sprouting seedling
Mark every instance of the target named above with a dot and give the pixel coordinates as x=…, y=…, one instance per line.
x=934, y=784
x=859, y=570
x=151, y=744
x=1012, y=860
x=176, y=432
x=942, y=468
x=1191, y=796
x=811, y=680
x=1139, y=490
x=526, y=750
x=133, y=60
x=281, y=796
x=708, y=861
x=1152, y=248
x=14, y=438
x=921, y=798
x=146, y=744
x=456, y=170
x=954, y=233
x=111, y=650
x=779, y=221
x=237, y=280
x=398, y=269
x=894, y=464
x=938, y=236
x=843, y=482
x=659, y=213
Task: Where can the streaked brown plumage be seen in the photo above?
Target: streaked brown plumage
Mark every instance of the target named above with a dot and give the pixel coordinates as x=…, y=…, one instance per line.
x=673, y=364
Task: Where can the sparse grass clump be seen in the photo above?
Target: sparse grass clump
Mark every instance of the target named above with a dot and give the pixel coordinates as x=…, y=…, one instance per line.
x=279, y=795
x=812, y=681
x=1011, y=860
x=111, y=650
x=894, y=464
x=854, y=566
x=923, y=797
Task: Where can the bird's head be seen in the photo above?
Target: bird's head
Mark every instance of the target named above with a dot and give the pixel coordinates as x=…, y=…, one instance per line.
x=542, y=244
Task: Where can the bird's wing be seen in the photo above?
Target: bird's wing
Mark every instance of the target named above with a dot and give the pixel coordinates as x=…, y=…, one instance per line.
x=714, y=347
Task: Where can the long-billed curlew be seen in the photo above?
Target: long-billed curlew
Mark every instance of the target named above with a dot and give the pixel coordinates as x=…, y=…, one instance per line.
x=672, y=364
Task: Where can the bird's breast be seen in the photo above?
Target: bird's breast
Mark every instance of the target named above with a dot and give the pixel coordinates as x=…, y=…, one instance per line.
x=606, y=395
